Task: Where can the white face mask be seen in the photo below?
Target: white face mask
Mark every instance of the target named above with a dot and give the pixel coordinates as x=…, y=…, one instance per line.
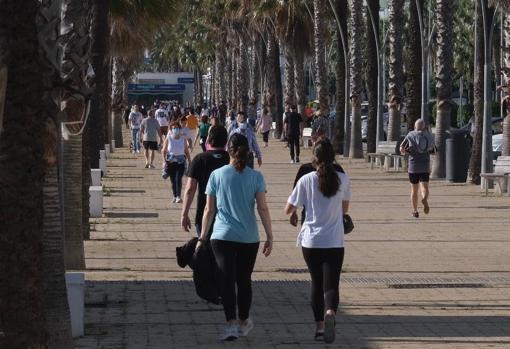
x=243, y=126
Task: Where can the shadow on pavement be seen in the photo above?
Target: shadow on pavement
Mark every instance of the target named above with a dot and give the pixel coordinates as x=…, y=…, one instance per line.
x=168, y=314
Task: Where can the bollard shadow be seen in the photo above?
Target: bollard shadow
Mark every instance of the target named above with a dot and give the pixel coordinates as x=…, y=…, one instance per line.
x=168, y=314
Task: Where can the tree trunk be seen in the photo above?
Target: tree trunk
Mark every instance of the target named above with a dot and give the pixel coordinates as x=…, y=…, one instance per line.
x=506, y=122
x=371, y=75
x=278, y=88
x=56, y=307
x=356, y=68
x=242, y=76
x=413, y=67
x=340, y=74
x=233, y=79
x=228, y=75
x=254, y=68
x=118, y=106
x=321, y=81
x=299, y=83
x=220, y=74
x=100, y=61
x=445, y=11
x=269, y=88
x=396, y=73
x=290, y=93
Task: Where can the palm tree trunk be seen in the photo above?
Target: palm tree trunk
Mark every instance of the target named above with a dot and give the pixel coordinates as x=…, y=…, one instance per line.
x=340, y=74
x=233, y=79
x=321, y=82
x=56, y=307
x=254, y=67
x=475, y=162
x=100, y=62
x=371, y=75
x=269, y=88
x=290, y=93
x=228, y=80
x=220, y=74
x=506, y=70
x=278, y=88
x=242, y=75
x=396, y=73
x=413, y=67
x=118, y=106
x=299, y=83
x=356, y=68
x=444, y=77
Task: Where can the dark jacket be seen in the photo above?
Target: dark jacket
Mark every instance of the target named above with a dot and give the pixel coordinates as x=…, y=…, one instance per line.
x=205, y=271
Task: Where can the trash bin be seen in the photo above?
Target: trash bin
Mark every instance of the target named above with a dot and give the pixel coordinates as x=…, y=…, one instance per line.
x=457, y=156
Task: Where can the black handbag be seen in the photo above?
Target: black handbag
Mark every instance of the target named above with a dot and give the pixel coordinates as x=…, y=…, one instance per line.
x=348, y=224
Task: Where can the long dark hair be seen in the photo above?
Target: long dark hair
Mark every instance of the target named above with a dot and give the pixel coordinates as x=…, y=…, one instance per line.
x=239, y=151
x=323, y=161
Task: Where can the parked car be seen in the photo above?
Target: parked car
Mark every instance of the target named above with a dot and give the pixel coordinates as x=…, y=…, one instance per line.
x=386, y=118
x=497, y=145
x=497, y=126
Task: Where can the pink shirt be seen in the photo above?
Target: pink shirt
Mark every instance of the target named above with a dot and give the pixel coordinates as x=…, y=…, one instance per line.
x=265, y=122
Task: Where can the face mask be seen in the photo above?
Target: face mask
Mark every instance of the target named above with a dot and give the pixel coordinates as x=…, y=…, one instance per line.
x=175, y=131
x=243, y=126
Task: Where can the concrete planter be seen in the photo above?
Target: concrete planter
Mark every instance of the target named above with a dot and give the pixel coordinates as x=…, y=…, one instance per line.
x=96, y=201
x=75, y=283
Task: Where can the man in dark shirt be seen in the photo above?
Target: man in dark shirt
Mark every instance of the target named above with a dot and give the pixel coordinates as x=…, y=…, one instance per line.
x=293, y=125
x=198, y=175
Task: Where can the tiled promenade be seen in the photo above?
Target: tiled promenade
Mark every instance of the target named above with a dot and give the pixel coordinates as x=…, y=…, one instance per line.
x=440, y=281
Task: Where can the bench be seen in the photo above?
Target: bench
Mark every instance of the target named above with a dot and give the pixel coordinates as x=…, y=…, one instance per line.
x=273, y=129
x=387, y=153
x=500, y=176
x=307, y=135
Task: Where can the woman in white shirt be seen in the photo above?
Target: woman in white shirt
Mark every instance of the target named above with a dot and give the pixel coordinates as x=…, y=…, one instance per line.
x=325, y=193
x=175, y=154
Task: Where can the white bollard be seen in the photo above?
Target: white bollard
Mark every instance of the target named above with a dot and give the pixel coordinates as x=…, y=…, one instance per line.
x=102, y=161
x=95, y=173
x=75, y=283
x=107, y=150
x=112, y=146
x=96, y=201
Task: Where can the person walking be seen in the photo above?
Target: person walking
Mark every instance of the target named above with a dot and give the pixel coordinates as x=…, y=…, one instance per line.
x=244, y=129
x=192, y=124
x=163, y=119
x=264, y=125
x=232, y=192
x=135, y=120
x=325, y=194
x=203, y=131
x=175, y=155
x=293, y=124
x=320, y=125
x=198, y=174
x=150, y=133
x=418, y=144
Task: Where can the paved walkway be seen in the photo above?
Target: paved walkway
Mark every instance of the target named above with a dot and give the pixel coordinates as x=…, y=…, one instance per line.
x=440, y=281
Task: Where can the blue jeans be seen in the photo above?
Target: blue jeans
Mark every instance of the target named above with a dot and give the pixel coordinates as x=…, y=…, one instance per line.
x=176, y=172
x=135, y=139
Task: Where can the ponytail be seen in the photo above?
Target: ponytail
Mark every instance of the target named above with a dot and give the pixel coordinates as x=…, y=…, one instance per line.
x=323, y=160
x=239, y=151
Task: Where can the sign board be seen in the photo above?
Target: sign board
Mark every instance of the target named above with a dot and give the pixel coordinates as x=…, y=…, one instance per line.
x=185, y=80
x=156, y=87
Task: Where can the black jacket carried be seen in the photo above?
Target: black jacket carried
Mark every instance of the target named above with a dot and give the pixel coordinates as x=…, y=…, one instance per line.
x=205, y=271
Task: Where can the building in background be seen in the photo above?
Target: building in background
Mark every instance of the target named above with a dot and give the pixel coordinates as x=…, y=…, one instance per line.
x=149, y=87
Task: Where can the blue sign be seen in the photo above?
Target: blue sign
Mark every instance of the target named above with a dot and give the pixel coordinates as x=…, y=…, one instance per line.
x=156, y=87
x=185, y=80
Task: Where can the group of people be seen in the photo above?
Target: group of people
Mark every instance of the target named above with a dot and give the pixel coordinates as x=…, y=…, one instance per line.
x=229, y=190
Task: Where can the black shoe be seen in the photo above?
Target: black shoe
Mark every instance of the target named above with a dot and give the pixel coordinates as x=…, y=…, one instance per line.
x=329, y=328
x=319, y=336
x=416, y=214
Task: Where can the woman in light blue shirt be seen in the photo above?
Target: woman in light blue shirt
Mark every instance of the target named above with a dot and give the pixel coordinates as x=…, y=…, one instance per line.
x=232, y=191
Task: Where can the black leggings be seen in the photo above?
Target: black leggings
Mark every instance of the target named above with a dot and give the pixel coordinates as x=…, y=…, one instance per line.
x=325, y=265
x=235, y=263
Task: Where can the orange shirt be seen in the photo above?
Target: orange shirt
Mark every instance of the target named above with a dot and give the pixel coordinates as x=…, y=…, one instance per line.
x=192, y=122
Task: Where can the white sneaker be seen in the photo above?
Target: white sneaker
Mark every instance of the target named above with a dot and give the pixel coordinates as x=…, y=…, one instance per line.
x=292, y=162
x=178, y=200
x=230, y=333
x=246, y=328
x=174, y=200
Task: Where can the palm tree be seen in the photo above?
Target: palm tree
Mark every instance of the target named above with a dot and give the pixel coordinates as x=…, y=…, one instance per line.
x=341, y=134
x=321, y=83
x=444, y=75
x=396, y=15
x=290, y=92
x=506, y=70
x=372, y=61
x=32, y=291
x=76, y=44
x=356, y=69
x=413, y=66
